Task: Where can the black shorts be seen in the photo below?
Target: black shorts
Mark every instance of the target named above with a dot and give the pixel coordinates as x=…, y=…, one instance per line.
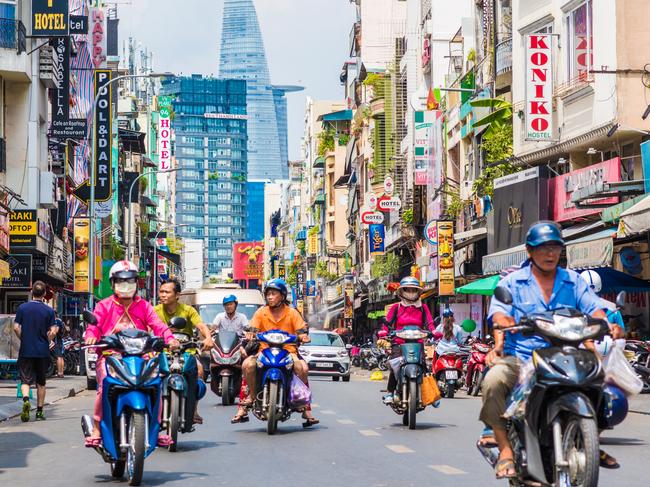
x=33, y=370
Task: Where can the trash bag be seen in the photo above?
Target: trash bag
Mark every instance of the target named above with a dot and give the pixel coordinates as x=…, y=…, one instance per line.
x=430, y=391
x=396, y=364
x=525, y=382
x=299, y=393
x=619, y=372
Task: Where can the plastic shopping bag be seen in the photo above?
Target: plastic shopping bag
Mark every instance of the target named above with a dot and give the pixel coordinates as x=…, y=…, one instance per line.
x=619, y=372
x=396, y=364
x=525, y=382
x=430, y=391
x=299, y=393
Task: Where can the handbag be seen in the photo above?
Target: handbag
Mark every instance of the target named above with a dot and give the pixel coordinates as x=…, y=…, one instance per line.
x=430, y=391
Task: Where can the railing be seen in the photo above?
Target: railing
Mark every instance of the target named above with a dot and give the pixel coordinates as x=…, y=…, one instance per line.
x=504, y=56
x=13, y=35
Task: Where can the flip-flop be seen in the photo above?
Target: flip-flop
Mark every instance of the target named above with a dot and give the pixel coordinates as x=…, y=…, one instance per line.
x=310, y=422
x=240, y=419
x=608, y=461
x=92, y=442
x=488, y=442
x=165, y=440
x=503, y=466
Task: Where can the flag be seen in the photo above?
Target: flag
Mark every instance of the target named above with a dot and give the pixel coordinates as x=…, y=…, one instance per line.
x=433, y=99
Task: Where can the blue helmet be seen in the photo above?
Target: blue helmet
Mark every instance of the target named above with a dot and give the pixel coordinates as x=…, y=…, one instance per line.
x=544, y=232
x=447, y=312
x=229, y=299
x=410, y=281
x=615, y=406
x=277, y=284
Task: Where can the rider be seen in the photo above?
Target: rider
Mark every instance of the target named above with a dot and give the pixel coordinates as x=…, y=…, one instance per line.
x=277, y=315
x=408, y=311
x=452, y=334
x=169, y=308
x=540, y=285
x=124, y=309
x=230, y=319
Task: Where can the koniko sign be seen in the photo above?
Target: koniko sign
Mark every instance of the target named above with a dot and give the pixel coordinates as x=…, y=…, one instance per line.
x=539, y=87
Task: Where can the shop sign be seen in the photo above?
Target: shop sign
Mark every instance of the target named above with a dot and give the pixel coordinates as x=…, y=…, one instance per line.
x=590, y=254
x=20, y=269
x=431, y=232
x=226, y=116
x=81, y=235
x=39, y=264
x=311, y=288
x=23, y=228
x=164, y=139
x=49, y=18
x=312, y=244
x=56, y=262
x=98, y=37
x=562, y=189
x=5, y=228
x=422, y=147
x=4, y=270
x=348, y=305
x=44, y=230
x=300, y=283
x=389, y=204
x=389, y=185
x=426, y=52
x=377, y=238
x=372, y=217
x=282, y=271
x=539, y=87
x=78, y=24
x=446, y=274
x=612, y=214
x=248, y=260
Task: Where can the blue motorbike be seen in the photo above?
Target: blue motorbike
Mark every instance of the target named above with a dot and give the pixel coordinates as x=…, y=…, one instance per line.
x=274, y=373
x=131, y=401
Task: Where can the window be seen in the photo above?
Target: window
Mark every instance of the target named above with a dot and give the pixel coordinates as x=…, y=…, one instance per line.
x=580, y=42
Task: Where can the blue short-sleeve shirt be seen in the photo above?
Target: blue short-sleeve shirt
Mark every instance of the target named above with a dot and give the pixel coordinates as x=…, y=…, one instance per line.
x=569, y=290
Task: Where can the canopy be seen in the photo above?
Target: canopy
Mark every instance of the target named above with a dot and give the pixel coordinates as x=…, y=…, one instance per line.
x=616, y=281
x=635, y=219
x=484, y=287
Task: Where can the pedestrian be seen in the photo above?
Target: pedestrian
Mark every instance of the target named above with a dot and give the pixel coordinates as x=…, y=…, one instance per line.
x=58, y=346
x=34, y=325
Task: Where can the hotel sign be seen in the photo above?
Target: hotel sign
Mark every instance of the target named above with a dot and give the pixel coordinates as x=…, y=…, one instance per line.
x=539, y=88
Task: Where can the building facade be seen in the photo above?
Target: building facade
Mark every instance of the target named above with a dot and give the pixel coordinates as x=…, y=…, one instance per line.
x=210, y=126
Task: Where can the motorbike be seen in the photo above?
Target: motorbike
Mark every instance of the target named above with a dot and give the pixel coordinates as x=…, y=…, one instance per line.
x=640, y=361
x=410, y=373
x=131, y=400
x=448, y=371
x=372, y=357
x=555, y=436
x=355, y=356
x=225, y=366
x=476, y=368
x=274, y=374
x=181, y=386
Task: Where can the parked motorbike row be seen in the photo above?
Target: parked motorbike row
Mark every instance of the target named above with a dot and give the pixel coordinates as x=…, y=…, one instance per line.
x=369, y=356
x=71, y=357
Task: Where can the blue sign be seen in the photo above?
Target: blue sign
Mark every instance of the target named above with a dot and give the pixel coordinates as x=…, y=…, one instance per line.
x=311, y=288
x=645, y=163
x=377, y=238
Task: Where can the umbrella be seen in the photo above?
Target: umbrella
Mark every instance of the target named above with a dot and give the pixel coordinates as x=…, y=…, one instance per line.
x=484, y=286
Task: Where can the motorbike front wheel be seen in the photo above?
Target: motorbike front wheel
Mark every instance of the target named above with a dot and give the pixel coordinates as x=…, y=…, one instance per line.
x=272, y=422
x=174, y=419
x=135, y=452
x=226, y=396
x=477, y=381
x=413, y=403
x=580, y=448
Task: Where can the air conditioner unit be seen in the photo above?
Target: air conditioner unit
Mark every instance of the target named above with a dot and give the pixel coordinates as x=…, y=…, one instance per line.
x=47, y=190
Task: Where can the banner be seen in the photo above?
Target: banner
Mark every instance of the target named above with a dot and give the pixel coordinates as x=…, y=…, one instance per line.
x=248, y=261
x=312, y=244
x=81, y=236
x=62, y=126
x=446, y=273
x=348, y=306
x=377, y=239
x=311, y=288
x=49, y=18
x=164, y=139
x=539, y=87
x=23, y=229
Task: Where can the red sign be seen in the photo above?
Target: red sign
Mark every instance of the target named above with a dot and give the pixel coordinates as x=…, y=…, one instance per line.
x=369, y=217
x=248, y=260
x=561, y=189
x=388, y=204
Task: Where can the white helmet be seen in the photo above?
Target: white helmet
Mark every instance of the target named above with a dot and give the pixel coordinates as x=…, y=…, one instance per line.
x=123, y=269
x=593, y=280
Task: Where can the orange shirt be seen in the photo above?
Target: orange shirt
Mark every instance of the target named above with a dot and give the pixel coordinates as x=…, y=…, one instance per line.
x=290, y=321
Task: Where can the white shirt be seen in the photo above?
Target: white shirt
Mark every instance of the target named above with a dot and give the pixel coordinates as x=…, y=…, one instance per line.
x=236, y=324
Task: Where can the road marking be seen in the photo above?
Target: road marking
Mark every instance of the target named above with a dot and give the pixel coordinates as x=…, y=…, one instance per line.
x=314, y=405
x=447, y=469
x=369, y=433
x=400, y=449
x=345, y=421
x=328, y=411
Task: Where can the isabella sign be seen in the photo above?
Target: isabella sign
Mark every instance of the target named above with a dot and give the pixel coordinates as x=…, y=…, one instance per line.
x=539, y=88
x=248, y=260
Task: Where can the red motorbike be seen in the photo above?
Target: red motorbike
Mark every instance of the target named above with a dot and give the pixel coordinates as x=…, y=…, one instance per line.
x=448, y=370
x=476, y=367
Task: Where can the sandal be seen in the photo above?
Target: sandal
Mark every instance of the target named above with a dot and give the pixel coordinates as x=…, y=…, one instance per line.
x=503, y=467
x=165, y=440
x=310, y=422
x=198, y=419
x=92, y=442
x=488, y=442
x=246, y=403
x=240, y=418
x=608, y=461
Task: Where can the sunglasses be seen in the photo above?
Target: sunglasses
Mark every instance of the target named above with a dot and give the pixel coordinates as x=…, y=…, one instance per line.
x=130, y=280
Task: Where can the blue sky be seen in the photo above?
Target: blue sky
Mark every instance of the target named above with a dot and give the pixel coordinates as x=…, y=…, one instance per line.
x=306, y=43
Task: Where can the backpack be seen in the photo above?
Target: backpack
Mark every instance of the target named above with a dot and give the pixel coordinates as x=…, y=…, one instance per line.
x=391, y=323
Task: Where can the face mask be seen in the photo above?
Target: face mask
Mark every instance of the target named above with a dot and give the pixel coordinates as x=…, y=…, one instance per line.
x=125, y=289
x=411, y=295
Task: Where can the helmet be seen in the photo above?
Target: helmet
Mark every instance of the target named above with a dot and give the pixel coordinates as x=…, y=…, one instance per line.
x=410, y=282
x=123, y=269
x=544, y=232
x=277, y=284
x=447, y=312
x=229, y=299
x=593, y=280
x=615, y=406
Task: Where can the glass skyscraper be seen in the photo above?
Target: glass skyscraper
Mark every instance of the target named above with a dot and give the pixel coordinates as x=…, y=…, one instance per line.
x=210, y=124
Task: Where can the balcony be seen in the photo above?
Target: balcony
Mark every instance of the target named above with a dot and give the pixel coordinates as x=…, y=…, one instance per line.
x=13, y=38
x=504, y=63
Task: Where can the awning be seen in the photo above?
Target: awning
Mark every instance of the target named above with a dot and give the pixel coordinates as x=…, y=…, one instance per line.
x=342, y=182
x=373, y=315
x=146, y=201
x=170, y=256
x=320, y=198
x=471, y=233
x=484, y=287
x=147, y=162
x=615, y=281
x=635, y=219
x=613, y=213
x=319, y=163
x=132, y=141
x=495, y=263
x=591, y=251
x=340, y=116
x=572, y=232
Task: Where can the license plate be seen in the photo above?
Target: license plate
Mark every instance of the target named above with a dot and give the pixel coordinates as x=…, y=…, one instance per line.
x=451, y=374
x=325, y=365
x=92, y=357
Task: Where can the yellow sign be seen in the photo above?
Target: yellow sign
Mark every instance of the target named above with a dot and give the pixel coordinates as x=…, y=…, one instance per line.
x=23, y=228
x=446, y=270
x=81, y=262
x=300, y=306
x=312, y=244
x=5, y=273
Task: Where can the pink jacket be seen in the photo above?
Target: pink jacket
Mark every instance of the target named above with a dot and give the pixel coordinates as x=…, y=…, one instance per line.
x=409, y=316
x=109, y=311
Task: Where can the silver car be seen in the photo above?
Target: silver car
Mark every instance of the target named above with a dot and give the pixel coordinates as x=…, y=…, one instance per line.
x=326, y=355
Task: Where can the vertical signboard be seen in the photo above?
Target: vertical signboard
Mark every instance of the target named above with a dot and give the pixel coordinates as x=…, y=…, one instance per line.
x=300, y=283
x=81, y=236
x=422, y=147
x=348, y=305
x=164, y=139
x=98, y=37
x=49, y=18
x=62, y=126
x=446, y=273
x=377, y=238
x=539, y=87
x=103, y=129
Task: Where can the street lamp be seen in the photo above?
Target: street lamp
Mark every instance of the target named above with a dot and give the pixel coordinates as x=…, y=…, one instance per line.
x=91, y=203
x=155, y=259
x=128, y=220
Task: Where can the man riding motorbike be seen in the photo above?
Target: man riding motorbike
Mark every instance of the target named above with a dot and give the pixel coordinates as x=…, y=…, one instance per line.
x=124, y=309
x=230, y=319
x=540, y=285
x=169, y=308
x=408, y=311
x=277, y=315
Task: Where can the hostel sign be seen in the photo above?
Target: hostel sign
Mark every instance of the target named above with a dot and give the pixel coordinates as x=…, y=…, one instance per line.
x=539, y=87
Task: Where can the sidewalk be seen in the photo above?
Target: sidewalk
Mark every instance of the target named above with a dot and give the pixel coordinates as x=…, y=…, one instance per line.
x=640, y=404
x=56, y=389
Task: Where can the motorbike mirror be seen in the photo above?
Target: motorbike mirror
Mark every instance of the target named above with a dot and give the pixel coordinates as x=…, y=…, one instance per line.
x=503, y=295
x=348, y=347
x=177, y=323
x=89, y=317
x=620, y=300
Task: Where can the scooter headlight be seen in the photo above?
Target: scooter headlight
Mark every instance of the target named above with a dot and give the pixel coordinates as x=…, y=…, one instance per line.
x=573, y=328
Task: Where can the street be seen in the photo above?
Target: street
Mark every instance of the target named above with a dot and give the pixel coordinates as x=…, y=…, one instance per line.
x=359, y=442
